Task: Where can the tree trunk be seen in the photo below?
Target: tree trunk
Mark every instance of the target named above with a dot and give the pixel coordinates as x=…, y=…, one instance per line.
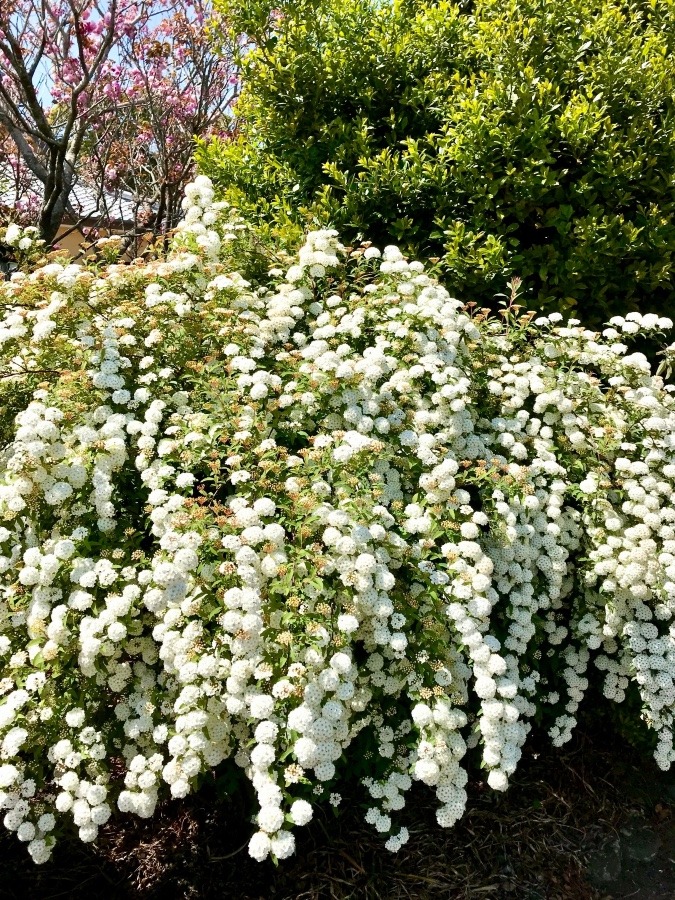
x=51, y=217
x=57, y=190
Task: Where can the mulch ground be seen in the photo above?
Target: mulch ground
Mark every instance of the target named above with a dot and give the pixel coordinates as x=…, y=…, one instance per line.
x=532, y=843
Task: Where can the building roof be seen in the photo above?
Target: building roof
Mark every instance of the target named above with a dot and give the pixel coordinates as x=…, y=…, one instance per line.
x=86, y=200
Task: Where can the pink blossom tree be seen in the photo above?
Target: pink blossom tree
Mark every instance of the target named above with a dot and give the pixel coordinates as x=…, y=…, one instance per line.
x=112, y=92
x=171, y=86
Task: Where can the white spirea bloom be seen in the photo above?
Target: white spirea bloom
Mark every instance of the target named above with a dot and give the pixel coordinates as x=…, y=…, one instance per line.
x=267, y=522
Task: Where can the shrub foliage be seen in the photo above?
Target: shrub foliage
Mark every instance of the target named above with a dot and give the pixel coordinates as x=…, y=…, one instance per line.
x=521, y=138
x=326, y=523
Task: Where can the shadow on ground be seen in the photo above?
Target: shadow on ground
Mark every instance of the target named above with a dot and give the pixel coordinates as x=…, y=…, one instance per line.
x=596, y=822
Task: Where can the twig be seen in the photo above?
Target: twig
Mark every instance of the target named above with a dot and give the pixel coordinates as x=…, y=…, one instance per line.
x=228, y=855
x=30, y=372
x=352, y=861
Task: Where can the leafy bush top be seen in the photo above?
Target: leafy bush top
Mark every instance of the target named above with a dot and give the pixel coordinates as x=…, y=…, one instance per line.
x=322, y=524
x=522, y=138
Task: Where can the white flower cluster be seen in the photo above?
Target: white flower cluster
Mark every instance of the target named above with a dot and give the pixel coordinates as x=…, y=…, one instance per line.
x=24, y=239
x=327, y=522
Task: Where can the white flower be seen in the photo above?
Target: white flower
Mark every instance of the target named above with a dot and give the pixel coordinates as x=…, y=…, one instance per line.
x=301, y=812
x=259, y=846
x=283, y=844
x=422, y=715
x=12, y=234
x=497, y=780
x=347, y=623
x=75, y=717
x=270, y=819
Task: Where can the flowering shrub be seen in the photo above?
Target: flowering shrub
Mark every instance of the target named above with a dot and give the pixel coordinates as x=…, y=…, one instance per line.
x=327, y=521
x=24, y=242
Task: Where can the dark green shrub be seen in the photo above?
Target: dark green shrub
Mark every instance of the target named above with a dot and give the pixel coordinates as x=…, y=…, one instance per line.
x=529, y=138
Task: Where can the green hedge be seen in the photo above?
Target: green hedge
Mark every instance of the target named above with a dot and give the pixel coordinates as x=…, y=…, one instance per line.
x=508, y=138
